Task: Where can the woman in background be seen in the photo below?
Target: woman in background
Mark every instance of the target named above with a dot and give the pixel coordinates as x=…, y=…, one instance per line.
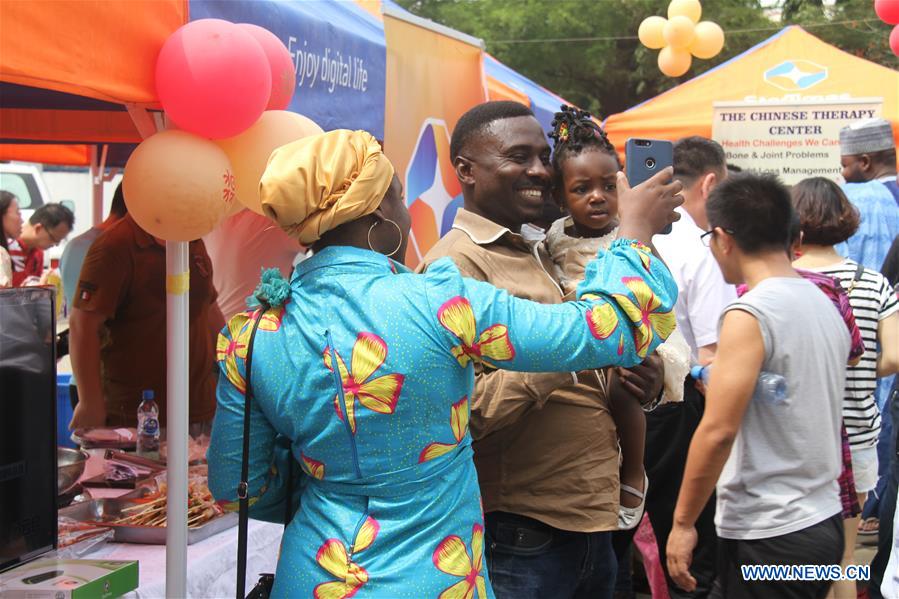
x=11, y=229
x=827, y=218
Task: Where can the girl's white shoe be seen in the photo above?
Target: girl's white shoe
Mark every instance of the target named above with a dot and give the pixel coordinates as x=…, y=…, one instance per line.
x=629, y=517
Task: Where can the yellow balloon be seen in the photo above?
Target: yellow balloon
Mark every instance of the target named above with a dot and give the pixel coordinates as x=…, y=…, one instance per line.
x=249, y=151
x=650, y=32
x=674, y=62
x=709, y=40
x=177, y=185
x=691, y=9
x=679, y=32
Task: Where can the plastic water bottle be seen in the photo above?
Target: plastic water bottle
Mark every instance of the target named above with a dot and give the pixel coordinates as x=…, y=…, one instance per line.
x=770, y=387
x=148, y=426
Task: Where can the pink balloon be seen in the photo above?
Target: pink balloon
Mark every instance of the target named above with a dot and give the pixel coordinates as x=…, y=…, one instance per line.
x=284, y=75
x=887, y=10
x=213, y=78
x=894, y=40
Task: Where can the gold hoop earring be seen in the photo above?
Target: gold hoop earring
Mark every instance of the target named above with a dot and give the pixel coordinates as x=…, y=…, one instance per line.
x=398, y=231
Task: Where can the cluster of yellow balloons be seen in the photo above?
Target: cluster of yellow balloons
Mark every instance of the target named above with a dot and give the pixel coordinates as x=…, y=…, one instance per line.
x=681, y=37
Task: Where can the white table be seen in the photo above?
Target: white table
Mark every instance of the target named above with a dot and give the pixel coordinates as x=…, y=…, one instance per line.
x=211, y=563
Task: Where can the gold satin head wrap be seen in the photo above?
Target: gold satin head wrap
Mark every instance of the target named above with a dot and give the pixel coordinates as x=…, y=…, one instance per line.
x=317, y=183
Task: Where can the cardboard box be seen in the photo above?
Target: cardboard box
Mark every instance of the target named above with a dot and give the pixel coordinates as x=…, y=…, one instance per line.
x=70, y=579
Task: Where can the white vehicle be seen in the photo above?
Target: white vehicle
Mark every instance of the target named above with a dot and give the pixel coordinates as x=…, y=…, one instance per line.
x=26, y=182
x=72, y=187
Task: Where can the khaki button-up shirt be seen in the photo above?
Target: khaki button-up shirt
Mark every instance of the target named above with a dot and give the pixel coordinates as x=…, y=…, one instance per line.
x=545, y=446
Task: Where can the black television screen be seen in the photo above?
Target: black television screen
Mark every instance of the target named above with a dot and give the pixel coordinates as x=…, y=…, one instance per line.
x=27, y=424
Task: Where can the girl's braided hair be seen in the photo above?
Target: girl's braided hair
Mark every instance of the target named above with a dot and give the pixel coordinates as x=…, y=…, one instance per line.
x=575, y=131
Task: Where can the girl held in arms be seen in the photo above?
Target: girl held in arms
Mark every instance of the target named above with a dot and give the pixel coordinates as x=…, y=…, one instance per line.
x=586, y=166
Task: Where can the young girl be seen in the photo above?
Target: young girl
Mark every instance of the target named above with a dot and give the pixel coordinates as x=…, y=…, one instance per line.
x=586, y=165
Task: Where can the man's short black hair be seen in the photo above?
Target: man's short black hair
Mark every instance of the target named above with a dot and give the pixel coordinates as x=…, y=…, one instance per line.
x=51, y=215
x=118, y=207
x=795, y=230
x=478, y=118
x=755, y=209
x=696, y=156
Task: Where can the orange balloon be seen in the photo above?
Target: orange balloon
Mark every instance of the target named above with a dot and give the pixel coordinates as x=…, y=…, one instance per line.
x=709, y=40
x=679, y=32
x=674, y=62
x=691, y=9
x=249, y=151
x=177, y=185
x=650, y=32
x=235, y=207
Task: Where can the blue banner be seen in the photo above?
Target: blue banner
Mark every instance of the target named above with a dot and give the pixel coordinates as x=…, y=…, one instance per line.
x=338, y=50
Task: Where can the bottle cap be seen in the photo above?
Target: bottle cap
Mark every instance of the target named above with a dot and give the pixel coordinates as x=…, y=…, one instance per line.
x=696, y=372
x=147, y=394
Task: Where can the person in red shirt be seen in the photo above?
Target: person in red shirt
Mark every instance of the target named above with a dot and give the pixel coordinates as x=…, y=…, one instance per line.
x=48, y=226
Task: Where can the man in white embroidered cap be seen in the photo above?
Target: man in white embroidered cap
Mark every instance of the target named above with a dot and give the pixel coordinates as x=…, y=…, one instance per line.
x=868, y=153
x=868, y=157
x=868, y=160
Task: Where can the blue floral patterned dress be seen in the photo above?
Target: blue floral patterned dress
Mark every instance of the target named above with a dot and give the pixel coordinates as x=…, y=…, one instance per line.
x=367, y=369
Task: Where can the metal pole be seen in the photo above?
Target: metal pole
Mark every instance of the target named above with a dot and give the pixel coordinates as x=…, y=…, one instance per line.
x=177, y=288
x=96, y=187
x=177, y=283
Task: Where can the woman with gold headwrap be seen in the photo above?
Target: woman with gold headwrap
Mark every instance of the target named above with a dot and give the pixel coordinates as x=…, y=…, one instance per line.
x=368, y=369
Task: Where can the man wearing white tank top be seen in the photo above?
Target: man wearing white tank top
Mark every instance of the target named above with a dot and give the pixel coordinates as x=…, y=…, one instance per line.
x=775, y=460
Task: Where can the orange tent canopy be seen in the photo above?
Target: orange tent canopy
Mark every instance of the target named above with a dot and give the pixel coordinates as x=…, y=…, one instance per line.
x=100, y=49
x=70, y=155
x=687, y=109
x=102, y=56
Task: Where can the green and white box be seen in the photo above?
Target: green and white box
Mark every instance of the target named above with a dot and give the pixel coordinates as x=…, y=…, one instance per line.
x=70, y=579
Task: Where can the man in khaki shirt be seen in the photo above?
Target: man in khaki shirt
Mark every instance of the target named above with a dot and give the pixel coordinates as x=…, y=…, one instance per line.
x=545, y=443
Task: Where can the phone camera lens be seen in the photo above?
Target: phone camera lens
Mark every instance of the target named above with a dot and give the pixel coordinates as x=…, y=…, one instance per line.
x=650, y=163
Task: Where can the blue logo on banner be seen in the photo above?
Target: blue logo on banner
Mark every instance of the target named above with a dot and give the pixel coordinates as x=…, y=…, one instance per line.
x=796, y=75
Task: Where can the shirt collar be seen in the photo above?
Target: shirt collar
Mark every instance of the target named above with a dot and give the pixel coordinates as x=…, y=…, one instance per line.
x=484, y=231
x=341, y=255
x=886, y=179
x=143, y=239
x=685, y=217
x=532, y=233
x=28, y=249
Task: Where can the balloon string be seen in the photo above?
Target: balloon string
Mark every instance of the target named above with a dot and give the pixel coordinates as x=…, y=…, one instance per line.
x=634, y=37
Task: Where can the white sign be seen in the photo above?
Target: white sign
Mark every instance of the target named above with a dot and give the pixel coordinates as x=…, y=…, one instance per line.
x=793, y=140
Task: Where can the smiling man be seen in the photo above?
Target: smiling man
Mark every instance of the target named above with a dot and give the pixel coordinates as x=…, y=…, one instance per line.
x=545, y=445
